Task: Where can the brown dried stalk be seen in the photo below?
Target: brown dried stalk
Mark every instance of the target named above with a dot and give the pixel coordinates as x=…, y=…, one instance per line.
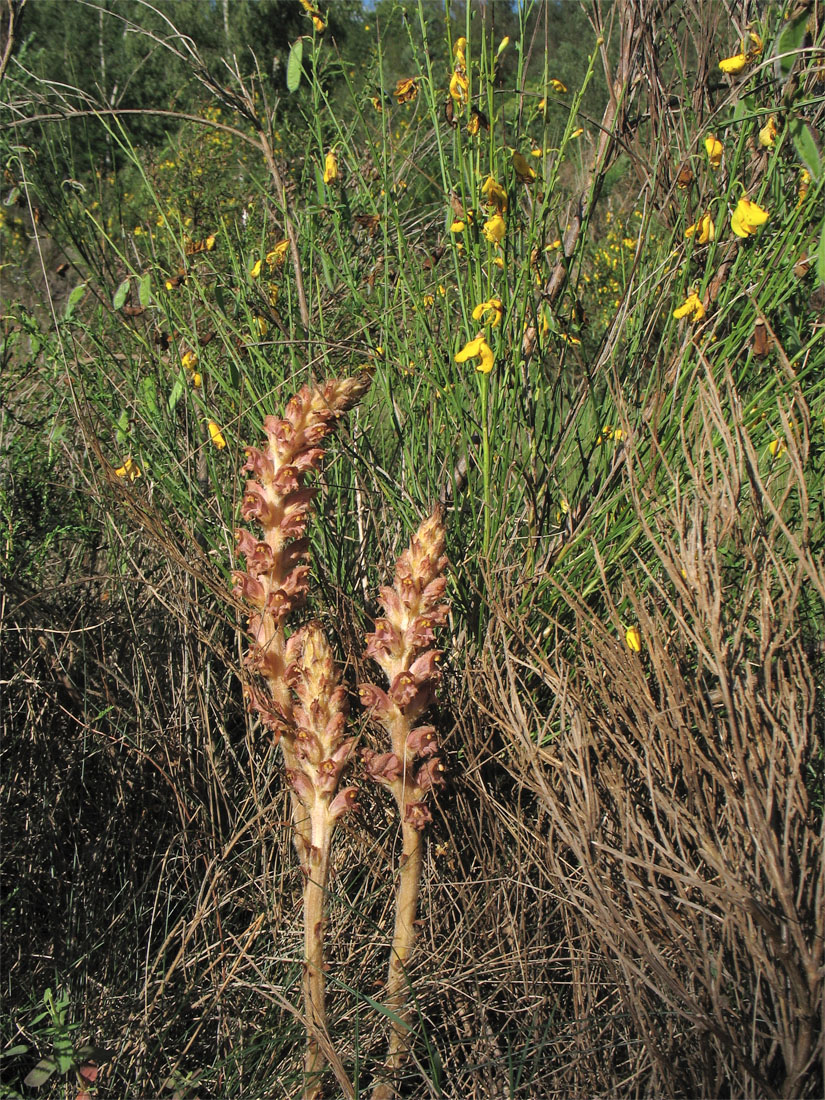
x=311, y=733
x=402, y=644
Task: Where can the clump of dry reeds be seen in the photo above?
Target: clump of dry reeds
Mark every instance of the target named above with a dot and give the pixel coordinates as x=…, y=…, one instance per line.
x=678, y=780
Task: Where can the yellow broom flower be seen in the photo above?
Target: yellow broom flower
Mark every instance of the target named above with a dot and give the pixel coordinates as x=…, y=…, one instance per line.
x=489, y=312
x=747, y=217
x=494, y=229
x=714, y=150
x=330, y=167
x=691, y=307
x=477, y=349
x=704, y=230
x=216, y=435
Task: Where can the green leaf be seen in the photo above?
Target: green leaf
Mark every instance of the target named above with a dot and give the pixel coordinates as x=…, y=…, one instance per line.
x=40, y=1074
x=21, y=1048
x=120, y=294
x=293, y=65
x=175, y=394
x=122, y=429
x=789, y=42
x=12, y=197
x=820, y=257
x=74, y=298
x=804, y=142
x=149, y=393
x=145, y=290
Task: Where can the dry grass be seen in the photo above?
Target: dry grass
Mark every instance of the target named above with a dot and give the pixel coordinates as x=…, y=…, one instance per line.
x=681, y=836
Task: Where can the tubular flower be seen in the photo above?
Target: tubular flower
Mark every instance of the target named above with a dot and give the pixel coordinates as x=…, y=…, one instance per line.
x=406, y=89
x=494, y=229
x=459, y=88
x=477, y=349
x=525, y=172
x=714, y=150
x=704, y=230
x=767, y=135
x=496, y=195
x=129, y=470
x=747, y=217
x=489, y=312
x=330, y=167
x=691, y=307
x=216, y=435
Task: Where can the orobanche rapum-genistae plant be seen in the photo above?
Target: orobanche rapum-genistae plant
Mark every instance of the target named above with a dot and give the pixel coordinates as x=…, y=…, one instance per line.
x=298, y=693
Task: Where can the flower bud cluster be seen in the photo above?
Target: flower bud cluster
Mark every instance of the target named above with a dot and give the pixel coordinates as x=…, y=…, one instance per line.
x=275, y=581
x=320, y=745
x=403, y=645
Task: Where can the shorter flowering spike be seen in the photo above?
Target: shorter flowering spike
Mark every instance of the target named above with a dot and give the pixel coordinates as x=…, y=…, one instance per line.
x=402, y=645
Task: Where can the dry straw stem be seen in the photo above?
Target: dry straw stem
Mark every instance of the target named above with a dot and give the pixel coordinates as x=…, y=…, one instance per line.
x=677, y=780
x=311, y=733
x=402, y=644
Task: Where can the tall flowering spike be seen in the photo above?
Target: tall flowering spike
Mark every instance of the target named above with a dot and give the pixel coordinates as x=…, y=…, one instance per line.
x=275, y=581
x=299, y=695
x=402, y=645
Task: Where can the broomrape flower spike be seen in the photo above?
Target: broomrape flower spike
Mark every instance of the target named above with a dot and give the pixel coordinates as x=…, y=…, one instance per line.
x=477, y=349
x=402, y=645
x=747, y=217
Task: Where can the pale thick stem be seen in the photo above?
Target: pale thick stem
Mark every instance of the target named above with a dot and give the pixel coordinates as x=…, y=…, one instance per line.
x=315, y=891
x=406, y=907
